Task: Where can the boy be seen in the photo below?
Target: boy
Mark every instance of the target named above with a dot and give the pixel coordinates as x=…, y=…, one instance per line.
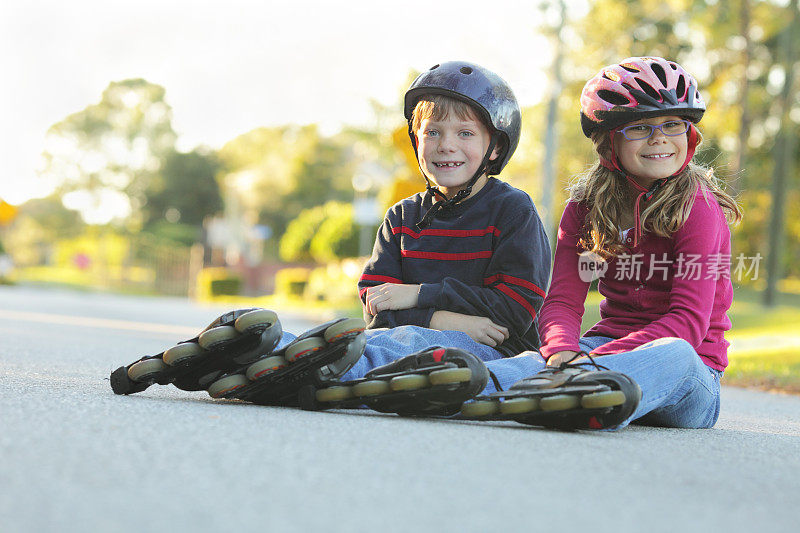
x=467, y=261
x=462, y=265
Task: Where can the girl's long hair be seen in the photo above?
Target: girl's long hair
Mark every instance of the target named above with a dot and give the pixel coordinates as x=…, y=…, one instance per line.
x=609, y=195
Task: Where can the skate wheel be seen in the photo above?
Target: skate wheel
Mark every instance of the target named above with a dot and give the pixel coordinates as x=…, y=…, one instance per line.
x=560, y=402
x=479, y=408
x=182, y=352
x=146, y=369
x=257, y=318
x=343, y=328
x=303, y=348
x=600, y=400
x=223, y=386
x=517, y=406
x=334, y=394
x=371, y=388
x=410, y=382
x=265, y=366
x=214, y=336
x=450, y=375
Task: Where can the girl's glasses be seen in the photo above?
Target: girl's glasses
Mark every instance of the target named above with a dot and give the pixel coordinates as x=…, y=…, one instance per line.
x=672, y=128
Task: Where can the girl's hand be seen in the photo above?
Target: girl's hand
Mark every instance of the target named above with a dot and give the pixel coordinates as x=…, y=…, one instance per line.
x=480, y=328
x=391, y=296
x=560, y=357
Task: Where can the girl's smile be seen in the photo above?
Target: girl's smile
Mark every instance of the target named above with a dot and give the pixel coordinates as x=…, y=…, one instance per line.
x=654, y=157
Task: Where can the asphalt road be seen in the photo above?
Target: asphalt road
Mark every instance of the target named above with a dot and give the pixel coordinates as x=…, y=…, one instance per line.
x=75, y=457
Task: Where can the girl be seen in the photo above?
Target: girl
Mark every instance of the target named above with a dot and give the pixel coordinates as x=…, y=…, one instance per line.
x=655, y=224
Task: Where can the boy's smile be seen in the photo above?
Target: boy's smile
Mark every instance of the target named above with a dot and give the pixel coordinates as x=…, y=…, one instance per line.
x=451, y=150
x=654, y=157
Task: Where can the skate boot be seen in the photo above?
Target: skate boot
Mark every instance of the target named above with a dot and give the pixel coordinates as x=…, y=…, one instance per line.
x=321, y=354
x=230, y=342
x=565, y=397
x=434, y=382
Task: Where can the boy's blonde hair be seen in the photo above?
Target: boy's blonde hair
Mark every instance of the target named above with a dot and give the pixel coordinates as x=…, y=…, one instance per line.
x=608, y=195
x=438, y=107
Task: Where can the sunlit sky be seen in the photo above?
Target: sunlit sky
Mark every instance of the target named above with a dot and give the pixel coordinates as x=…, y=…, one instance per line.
x=234, y=65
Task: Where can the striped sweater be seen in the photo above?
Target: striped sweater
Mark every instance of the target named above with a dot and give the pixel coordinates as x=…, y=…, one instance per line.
x=488, y=256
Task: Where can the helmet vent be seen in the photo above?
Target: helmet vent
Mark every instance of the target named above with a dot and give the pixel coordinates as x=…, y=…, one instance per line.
x=680, y=88
x=659, y=72
x=674, y=66
x=648, y=89
x=612, y=98
x=466, y=70
x=629, y=68
x=434, y=67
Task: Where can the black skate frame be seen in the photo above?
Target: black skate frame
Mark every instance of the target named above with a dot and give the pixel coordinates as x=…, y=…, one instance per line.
x=308, y=401
x=280, y=387
x=201, y=365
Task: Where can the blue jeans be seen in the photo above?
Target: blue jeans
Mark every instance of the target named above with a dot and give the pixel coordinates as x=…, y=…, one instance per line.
x=386, y=345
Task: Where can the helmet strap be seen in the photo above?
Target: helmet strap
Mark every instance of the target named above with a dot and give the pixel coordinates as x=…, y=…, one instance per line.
x=463, y=194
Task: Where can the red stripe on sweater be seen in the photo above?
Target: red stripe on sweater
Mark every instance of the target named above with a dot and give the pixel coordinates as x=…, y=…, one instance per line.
x=441, y=256
x=517, y=298
x=515, y=281
x=447, y=232
x=376, y=277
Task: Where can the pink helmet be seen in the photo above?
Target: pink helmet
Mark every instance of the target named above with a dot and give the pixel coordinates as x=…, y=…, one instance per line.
x=639, y=87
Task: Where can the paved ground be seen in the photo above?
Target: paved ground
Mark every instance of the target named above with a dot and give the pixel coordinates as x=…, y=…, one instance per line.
x=74, y=457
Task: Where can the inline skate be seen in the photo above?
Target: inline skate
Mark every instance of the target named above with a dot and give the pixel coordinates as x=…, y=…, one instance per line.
x=233, y=340
x=433, y=382
x=565, y=397
x=319, y=355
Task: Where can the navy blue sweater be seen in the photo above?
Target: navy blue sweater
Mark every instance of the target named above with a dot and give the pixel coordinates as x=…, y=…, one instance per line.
x=488, y=256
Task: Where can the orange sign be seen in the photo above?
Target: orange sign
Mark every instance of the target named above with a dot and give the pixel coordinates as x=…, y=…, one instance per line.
x=7, y=212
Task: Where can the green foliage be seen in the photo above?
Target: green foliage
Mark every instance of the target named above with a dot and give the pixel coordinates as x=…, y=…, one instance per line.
x=275, y=173
x=174, y=233
x=112, y=149
x=218, y=282
x=291, y=282
x=337, y=237
x=322, y=234
x=185, y=190
x=295, y=245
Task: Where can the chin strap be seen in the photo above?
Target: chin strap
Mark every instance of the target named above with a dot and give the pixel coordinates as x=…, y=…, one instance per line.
x=647, y=194
x=463, y=194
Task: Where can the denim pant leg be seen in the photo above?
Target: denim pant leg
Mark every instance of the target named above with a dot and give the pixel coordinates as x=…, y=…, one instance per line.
x=389, y=344
x=678, y=389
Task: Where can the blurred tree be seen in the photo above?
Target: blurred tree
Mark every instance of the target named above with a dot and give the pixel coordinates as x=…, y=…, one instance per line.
x=277, y=172
x=295, y=244
x=105, y=156
x=785, y=155
x=40, y=223
x=322, y=233
x=185, y=191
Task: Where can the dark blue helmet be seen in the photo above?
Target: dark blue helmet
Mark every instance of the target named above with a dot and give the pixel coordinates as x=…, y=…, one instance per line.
x=484, y=90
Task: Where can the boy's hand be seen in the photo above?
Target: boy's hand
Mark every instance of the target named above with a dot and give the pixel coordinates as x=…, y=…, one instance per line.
x=391, y=296
x=480, y=328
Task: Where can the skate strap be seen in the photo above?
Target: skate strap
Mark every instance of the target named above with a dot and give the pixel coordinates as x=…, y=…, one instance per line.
x=496, y=381
x=571, y=364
